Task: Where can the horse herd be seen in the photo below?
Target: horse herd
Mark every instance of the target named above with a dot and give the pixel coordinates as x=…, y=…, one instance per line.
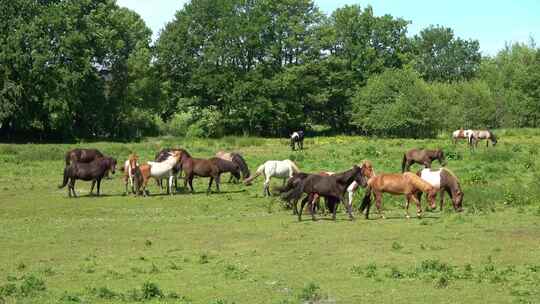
x=92, y=165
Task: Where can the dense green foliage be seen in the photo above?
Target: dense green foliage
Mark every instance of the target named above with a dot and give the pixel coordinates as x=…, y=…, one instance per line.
x=86, y=69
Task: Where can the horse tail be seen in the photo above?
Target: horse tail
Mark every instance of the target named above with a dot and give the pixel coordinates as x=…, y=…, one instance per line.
x=66, y=178
x=294, y=167
x=259, y=171
x=403, y=162
x=366, y=201
x=241, y=162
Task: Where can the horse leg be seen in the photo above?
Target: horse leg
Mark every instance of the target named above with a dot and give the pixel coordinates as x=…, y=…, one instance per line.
x=171, y=179
x=98, y=186
x=92, y=187
x=190, y=180
x=266, y=186
x=72, y=183
x=302, y=204
x=349, y=209
x=334, y=208
x=378, y=203
x=407, y=205
x=218, y=180
x=441, y=193
x=418, y=206
x=209, y=190
x=312, y=205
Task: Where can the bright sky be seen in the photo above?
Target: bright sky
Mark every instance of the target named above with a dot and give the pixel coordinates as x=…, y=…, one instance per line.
x=492, y=22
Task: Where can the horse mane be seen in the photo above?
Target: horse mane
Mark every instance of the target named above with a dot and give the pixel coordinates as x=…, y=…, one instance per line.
x=241, y=162
x=294, y=166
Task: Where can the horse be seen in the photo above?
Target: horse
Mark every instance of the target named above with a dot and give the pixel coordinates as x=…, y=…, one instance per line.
x=91, y=171
x=297, y=139
x=461, y=134
x=351, y=189
x=158, y=170
x=82, y=155
x=274, y=168
x=406, y=183
x=200, y=167
x=443, y=180
x=163, y=155
x=237, y=159
x=226, y=166
x=421, y=156
x=129, y=171
x=331, y=187
x=478, y=135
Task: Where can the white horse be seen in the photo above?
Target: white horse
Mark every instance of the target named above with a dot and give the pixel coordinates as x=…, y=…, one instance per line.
x=159, y=170
x=461, y=134
x=274, y=168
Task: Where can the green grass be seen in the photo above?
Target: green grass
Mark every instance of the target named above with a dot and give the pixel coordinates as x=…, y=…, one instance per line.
x=239, y=247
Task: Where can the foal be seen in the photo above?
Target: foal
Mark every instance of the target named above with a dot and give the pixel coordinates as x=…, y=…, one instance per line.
x=423, y=157
x=130, y=166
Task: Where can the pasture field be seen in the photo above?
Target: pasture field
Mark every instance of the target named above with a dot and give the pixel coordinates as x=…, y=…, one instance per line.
x=239, y=247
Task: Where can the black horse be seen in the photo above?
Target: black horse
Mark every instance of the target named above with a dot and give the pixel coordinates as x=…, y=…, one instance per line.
x=297, y=139
x=93, y=171
x=177, y=169
x=330, y=187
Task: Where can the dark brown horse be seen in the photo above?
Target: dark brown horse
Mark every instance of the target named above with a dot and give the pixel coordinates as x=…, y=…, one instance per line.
x=199, y=167
x=226, y=166
x=82, y=155
x=93, y=171
x=423, y=157
x=331, y=187
x=163, y=155
x=237, y=159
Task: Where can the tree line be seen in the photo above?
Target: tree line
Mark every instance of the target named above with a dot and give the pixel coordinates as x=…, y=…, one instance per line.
x=87, y=69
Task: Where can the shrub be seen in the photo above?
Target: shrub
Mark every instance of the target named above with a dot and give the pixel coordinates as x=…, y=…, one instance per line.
x=32, y=285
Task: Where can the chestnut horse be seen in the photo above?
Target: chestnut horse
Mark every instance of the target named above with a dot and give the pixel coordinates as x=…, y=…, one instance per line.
x=407, y=183
x=200, y=167
x=423, y=157
x=92, y=171
x=444, y=180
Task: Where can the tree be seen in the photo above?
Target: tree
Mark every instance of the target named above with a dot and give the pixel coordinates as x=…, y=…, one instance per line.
x=440, y=56
x=396, y=103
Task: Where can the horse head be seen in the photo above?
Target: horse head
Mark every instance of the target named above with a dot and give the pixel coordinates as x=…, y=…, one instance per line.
x=457, y=200
x=111, y=164
x=441, y=157
x=367, y=169
x=133, y=158
x=360, y=175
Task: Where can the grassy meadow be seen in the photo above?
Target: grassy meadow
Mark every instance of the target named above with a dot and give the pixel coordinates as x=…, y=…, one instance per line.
x=239, y=247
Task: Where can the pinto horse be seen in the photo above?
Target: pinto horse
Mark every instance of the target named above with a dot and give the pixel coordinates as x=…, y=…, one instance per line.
x=297, y=139
x=421, y=156
x=407, y=183
x=238, y=160
x=443, y=180
x=92, y=171
x=130, y=165
x=461, y=134
x=274, y=168
x=158, y=170
x=200, y=167
x=163, y=155
x=331, y=187
x=478, y=135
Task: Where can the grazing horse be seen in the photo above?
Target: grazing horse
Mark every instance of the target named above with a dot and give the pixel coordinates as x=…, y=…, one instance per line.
x=443, y=180
x=478, y=135
x=82, y=155
x=130, y=165
x=158, y=170
x=274, y=168
x=461, y=134
x=237, y=159
x=297, y=139
x=331, y=187
x=92, y=171
x=226, y=166
x=421, y=156
x=163, y=155
x=407, y=183
x=200, y=167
